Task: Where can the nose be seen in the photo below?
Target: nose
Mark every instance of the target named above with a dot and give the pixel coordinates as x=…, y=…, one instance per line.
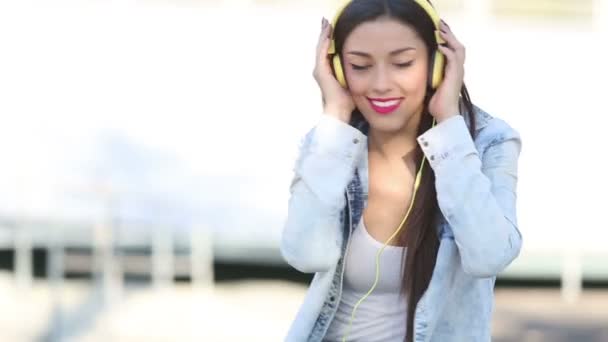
x=381, y=82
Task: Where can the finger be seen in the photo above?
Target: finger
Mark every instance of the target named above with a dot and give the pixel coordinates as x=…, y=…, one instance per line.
x=323, y=48
x=449, y=35
x=454, y=71
x=450, y=55
x=325, y=30
x=451, y=39
x=324, y=43
x=453, y=45
x=453, y=65
x=322, y=35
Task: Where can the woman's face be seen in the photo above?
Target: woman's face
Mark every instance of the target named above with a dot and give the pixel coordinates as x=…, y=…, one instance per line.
x=386, y=67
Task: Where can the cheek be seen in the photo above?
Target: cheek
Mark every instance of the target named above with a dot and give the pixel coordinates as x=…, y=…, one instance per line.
x=414, y=79
x=358, y=84
x=359, y=87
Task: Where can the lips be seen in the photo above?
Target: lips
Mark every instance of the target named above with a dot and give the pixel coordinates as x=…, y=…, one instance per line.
x=385, y=106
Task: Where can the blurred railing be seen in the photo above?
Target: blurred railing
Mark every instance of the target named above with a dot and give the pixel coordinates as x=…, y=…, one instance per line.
x=107, y=261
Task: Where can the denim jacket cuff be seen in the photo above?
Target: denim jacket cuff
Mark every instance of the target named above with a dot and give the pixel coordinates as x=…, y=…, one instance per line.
x=336, y=138
x=449, y=140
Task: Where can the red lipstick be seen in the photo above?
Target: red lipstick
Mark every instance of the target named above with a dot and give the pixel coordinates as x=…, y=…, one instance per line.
x=385, y=106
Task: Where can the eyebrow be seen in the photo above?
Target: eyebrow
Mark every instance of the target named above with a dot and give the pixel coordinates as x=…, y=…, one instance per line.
x=392, y=53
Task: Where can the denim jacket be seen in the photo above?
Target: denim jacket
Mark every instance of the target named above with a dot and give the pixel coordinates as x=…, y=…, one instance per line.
x=476, y=182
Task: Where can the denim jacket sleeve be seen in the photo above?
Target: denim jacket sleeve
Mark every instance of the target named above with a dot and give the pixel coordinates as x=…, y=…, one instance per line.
x=327, y=159
x=477, y=193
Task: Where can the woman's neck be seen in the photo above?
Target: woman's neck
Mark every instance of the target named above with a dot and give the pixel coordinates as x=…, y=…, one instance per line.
x=395, y=146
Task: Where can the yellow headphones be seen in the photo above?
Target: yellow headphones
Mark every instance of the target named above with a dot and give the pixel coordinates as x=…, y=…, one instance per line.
x=437, y=60
x=435, y=76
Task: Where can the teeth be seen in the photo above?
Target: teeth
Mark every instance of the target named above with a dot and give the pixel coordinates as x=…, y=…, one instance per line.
x=385, y=103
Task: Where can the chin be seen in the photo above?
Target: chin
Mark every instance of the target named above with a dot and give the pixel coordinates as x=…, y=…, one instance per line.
x=393, y=122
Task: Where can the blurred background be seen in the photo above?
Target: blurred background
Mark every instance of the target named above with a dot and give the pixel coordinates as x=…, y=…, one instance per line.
x=147, y=148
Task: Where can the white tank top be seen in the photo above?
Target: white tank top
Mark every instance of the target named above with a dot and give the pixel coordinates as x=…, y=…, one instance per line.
x=382, y=315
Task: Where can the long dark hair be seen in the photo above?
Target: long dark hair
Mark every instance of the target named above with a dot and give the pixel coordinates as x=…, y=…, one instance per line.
x=419, y=234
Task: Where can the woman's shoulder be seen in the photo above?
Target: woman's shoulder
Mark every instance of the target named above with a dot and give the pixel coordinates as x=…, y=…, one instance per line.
x=490, y=129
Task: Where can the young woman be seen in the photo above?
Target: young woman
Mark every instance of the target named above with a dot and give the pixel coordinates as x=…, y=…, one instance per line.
x=403, y=202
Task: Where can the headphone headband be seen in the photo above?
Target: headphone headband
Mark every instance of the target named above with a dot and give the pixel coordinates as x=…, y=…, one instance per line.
x=332, y=44
x=425, y=4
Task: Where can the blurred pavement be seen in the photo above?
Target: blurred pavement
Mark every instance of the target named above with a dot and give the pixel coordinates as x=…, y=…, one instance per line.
x=263, y=310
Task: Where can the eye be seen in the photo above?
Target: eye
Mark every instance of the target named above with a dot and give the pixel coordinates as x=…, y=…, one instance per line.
x=359, y=67
x=404, y=65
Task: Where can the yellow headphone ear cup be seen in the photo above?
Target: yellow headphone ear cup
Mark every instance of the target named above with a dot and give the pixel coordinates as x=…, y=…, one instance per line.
x=437, y=69
x=338, y=71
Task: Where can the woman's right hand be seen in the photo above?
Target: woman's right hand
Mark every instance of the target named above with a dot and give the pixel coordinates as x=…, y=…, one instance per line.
x=337, y=100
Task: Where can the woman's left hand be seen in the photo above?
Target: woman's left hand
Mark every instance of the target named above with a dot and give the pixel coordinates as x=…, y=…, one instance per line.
x=444, y=103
